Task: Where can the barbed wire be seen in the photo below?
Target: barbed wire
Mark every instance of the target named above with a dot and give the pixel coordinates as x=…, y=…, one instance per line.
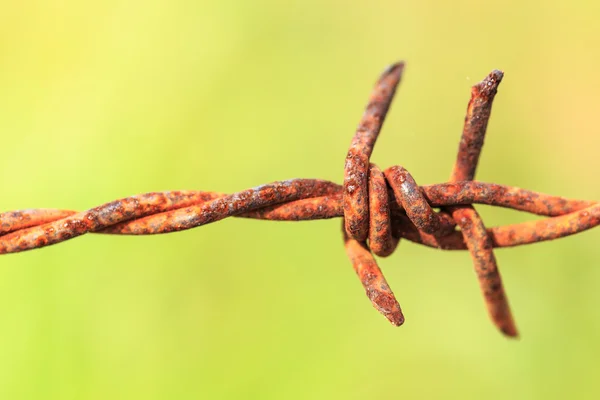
x=378, y=208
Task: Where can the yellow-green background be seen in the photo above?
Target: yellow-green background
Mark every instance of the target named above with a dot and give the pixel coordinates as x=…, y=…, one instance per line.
x=102, y=100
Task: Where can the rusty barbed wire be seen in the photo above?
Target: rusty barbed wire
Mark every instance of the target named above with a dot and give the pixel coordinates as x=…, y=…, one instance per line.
x=379, y=208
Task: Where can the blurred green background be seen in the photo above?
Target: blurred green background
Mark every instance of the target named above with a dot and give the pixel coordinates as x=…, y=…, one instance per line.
x=102, y=100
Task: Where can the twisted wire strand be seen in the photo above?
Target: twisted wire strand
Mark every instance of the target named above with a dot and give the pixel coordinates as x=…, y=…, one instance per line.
x=379, y=208
x=149, y=210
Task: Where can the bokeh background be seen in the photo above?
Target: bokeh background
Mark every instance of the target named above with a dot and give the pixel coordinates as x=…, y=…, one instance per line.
x=101, y=100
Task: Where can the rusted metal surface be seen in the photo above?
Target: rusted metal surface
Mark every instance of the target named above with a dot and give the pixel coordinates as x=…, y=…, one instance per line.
x=356, y=169
x=372, y=279
x=15, y=220
x=412, y=200
x=470, y=223
x=189, y=210
x=476, y=121
x=379, y=208
x=481, y=249
x=510, y=235
x=381, y=241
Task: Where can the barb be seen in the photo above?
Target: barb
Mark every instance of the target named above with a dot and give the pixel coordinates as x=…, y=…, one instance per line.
x=378, y=207
x=470, y=223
